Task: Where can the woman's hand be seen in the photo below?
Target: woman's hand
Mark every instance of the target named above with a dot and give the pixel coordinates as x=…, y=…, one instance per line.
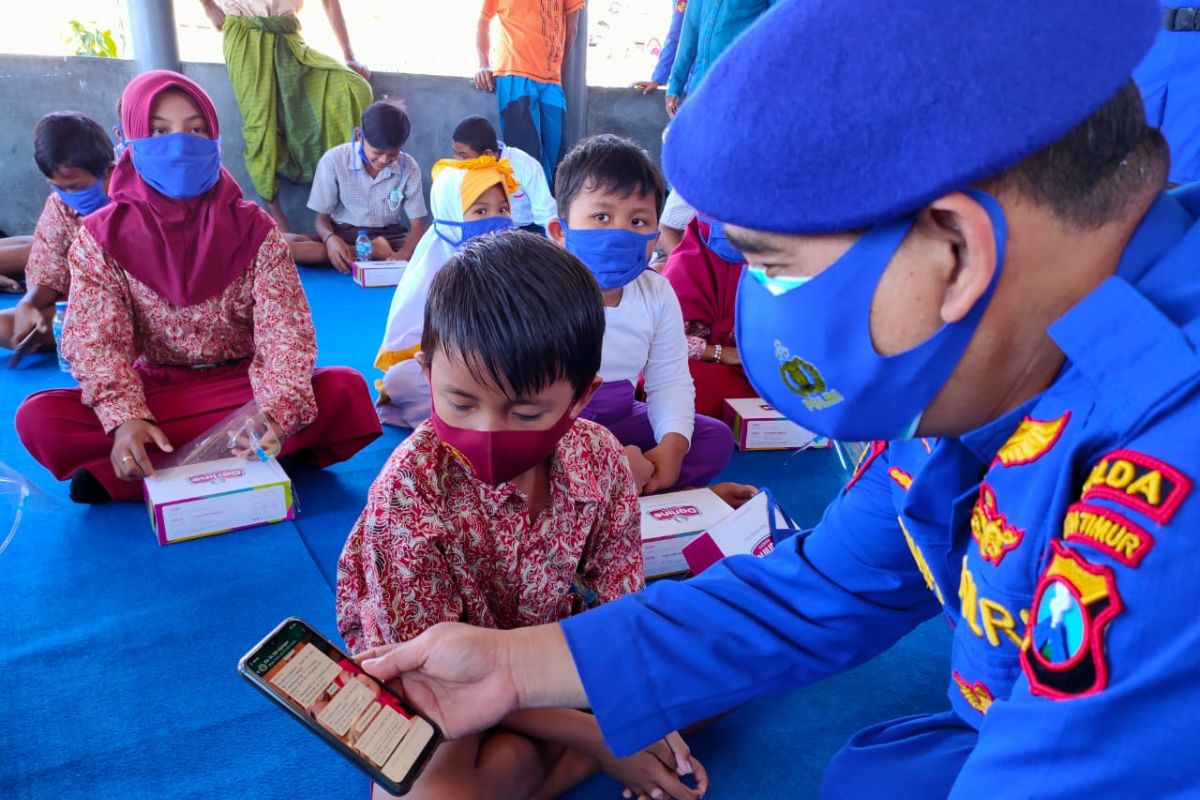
x=129, y=458
x=734, y=494
x=730, y=356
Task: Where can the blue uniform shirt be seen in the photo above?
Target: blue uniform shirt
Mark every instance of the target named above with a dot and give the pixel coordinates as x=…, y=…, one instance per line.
x=1169, y=78
x=1061, y=542
x=666, y=56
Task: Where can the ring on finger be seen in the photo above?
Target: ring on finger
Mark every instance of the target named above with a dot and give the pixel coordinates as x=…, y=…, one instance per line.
x=126, y=458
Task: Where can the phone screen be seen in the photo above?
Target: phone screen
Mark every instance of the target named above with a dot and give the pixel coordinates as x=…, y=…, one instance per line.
x=328, y=691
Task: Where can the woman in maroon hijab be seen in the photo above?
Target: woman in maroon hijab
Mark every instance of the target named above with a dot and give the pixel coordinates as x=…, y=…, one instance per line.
x=185, y=305
x=706, y=284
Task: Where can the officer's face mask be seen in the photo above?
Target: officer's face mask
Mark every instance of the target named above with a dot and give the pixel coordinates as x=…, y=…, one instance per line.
x=806, y=342
x=178, y=165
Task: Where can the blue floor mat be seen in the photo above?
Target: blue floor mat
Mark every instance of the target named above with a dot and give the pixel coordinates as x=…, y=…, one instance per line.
x=119, y=656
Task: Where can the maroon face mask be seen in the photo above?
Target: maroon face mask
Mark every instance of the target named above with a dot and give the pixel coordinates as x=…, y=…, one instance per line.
x=499, y=456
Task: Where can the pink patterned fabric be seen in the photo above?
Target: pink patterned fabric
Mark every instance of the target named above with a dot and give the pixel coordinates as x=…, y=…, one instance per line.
x=115, y=320
x=436, y=545
x=52, y=237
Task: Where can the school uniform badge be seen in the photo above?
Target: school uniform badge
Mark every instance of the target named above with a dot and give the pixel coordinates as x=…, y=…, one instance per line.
x=1063, y=654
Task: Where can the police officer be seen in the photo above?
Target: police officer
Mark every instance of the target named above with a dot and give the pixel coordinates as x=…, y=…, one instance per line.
x=960, y=247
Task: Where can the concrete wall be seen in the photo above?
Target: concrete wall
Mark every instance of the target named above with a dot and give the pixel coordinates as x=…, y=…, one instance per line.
x=31, y=86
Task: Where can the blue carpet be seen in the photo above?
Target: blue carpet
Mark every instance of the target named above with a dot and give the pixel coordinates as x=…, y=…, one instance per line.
x=119, y=656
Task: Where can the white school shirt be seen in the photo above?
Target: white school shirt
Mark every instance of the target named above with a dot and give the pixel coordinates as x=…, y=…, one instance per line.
x=342, y=189
x=532, y=202
x=643, y=335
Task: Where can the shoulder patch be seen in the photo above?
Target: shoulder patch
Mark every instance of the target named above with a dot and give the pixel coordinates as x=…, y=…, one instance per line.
x=1138, y=481
x=864, y=461
x=1108, y=532
x=1063, y=654
x=1032, y=439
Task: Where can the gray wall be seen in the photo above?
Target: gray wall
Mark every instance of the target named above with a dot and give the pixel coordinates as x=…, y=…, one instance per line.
x=31, y=86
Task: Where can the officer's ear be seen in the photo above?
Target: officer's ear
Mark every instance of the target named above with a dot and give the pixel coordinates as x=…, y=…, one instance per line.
x=961, y=224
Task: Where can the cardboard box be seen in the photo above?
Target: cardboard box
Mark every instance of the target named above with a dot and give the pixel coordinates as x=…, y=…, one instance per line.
x=370, y=274
x=670, y=521
x=744, y=531
x=757, y=426
x=217, y=497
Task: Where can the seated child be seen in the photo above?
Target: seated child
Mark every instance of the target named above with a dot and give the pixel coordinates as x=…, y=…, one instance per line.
x=76, y=156
x=704, y=270
x=185, y=305
x=369, y=184
x=469, y=198
x=610, y=193
x=505, y=509
x=532, y=204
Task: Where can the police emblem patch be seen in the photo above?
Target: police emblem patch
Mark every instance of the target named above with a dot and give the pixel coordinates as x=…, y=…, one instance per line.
x=990, y=528
x=1063, y=652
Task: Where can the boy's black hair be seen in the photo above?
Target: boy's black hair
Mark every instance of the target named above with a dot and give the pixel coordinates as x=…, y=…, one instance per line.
x=521, y=311
x=69, y=139
x=607, y=162
x=478, y=134
x=385, y=125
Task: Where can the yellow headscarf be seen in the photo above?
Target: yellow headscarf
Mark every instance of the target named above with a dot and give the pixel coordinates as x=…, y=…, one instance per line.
x=482, y=173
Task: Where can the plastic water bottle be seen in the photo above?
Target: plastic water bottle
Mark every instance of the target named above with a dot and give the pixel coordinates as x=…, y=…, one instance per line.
x=362, y=248
x=60, y=317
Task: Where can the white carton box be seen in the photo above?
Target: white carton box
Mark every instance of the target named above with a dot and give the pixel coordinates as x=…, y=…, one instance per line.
x=670, y=521
x=758, y=426
x=216, y=497
x=369, y=274
x=746, y=530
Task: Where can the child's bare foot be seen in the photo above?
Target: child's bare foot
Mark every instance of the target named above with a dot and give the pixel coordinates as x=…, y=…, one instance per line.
x=381, y=250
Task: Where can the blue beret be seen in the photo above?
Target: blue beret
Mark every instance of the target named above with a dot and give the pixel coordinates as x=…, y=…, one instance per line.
x=828, y=115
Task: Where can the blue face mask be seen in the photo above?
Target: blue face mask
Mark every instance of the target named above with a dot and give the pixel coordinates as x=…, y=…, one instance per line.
x=178, y=165
x=456, y=234
x=84, y=201
x=614, y=255
x=807, y=346
x=717, y=242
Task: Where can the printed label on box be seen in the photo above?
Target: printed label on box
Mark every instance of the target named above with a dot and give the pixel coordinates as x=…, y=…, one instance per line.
x=223, y=512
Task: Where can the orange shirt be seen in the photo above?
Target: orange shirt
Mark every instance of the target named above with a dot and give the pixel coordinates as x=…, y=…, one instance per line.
x=532, y=36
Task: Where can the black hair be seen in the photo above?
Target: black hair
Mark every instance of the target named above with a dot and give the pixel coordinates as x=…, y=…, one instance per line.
x=478, y=134
x=385, y=125
x=1099, y=171
x=520, y=311
x=611, y=163
x=69, y=139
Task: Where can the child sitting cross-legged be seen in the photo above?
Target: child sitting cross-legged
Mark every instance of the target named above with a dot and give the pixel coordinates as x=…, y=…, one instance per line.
x=505, y=509
x=609, y=196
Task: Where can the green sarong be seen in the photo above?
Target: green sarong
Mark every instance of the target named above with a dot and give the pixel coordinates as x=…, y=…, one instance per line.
x=296, y=103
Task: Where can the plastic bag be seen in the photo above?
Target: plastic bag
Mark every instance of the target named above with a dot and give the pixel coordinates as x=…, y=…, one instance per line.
x=246, y=433
x=18, y=496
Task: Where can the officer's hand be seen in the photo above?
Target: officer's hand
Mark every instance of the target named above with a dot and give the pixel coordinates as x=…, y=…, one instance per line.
x=646, y=87
x=672, y=104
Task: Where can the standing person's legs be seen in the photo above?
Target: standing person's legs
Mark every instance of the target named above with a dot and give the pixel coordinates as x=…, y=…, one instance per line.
x=911, y=758
x=552, y=110
x=250, y=60
x=516, y=98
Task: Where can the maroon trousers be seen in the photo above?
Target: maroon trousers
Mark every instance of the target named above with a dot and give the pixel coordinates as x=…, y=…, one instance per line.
x=65, y=436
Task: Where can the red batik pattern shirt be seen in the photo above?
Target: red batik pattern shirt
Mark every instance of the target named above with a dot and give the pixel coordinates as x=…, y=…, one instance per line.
x=52, y=237
x=114, y=320
x=435, y=544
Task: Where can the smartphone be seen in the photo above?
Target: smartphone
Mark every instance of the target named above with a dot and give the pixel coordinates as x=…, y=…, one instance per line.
x=359, y=717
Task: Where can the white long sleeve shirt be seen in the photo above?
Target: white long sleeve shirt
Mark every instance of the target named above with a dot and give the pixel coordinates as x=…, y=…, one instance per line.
x=532, y=202
x=644, y=336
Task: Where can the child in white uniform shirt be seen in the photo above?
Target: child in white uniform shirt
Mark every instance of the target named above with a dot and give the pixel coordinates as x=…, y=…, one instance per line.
x=532, y=204
x=610, y=194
